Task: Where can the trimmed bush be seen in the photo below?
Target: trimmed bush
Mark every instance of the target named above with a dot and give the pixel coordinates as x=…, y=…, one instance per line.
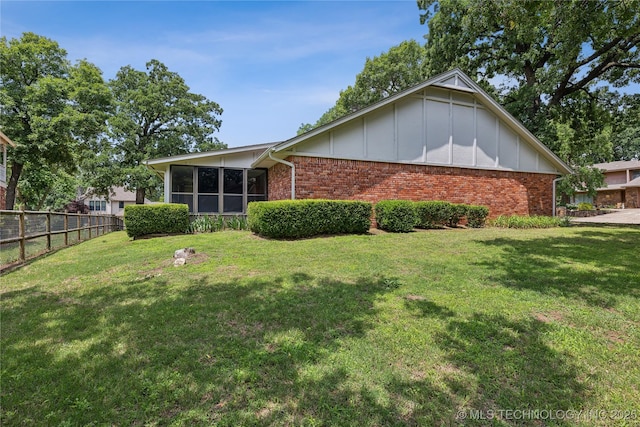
x=158, y=218
x=456, y=213
x=517, y=221
x=306, y=218
x=432, y=213
x=584, y=206
x=477, y=215
x=397, y=216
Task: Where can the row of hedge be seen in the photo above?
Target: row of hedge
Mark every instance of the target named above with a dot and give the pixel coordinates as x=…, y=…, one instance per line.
x=306, y=218
x=402, y=216
x=140, y=220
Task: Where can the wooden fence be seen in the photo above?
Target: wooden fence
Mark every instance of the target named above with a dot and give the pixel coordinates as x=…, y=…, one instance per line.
x=28, y=234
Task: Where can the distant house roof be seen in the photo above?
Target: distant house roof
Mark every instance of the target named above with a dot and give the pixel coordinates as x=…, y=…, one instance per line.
x=621, y=165
x=4, y=140
x=118, y=194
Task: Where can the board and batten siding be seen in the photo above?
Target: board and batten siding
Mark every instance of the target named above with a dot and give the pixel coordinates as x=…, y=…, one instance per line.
x=435, y=126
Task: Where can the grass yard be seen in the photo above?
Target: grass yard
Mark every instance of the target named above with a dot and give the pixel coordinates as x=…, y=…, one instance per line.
x=428, y=328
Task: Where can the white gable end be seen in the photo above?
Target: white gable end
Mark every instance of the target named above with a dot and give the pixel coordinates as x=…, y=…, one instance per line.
x=437, y=126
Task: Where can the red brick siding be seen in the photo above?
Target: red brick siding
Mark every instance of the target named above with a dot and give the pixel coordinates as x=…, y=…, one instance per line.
x=502, y=191
x=279, y=179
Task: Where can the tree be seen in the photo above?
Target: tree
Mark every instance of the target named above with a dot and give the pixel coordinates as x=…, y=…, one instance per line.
x=547, y=49
x=53, y=111
x=401, y=67
x=626, y=128
x=155, y=116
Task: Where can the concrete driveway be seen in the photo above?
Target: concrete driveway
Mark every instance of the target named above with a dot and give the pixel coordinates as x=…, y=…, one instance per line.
x=622, y=216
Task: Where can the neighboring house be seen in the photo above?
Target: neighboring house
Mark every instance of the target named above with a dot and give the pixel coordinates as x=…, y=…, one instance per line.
x=445, y=139
x=4, y=142
x=623, y=186
x=118, y=199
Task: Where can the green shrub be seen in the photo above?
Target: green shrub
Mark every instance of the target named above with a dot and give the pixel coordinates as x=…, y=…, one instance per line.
x=584, y=206
x=398, y=216
x=517, y=221
x=477, y=215
x=158, y=218
x=432, y=214
x=456, y=213
x=306, y=218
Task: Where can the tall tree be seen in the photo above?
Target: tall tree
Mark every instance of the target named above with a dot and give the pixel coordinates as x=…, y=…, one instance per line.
x=626, y=128
x=399, y=68
x=547, y=49
x=53, y=110
x=156, y=116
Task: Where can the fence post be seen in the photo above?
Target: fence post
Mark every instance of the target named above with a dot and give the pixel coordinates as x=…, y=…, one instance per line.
x=49, y=230
x=79, y=224
x=90, y=225
x=66, y=229
x=22, y=236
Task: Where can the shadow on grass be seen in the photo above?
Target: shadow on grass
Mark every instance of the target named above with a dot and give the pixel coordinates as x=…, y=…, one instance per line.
x=513, y=369
x=594, y=266
x=254, y=352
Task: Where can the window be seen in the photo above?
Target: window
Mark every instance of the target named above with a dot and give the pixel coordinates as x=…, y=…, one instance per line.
x=97, y=205
x=232, y=191
x=216, y=189
x=256, y=185
x=182, y=185
x=120, y=205
x=635, y=174
x=182, y=179
x=208, y=190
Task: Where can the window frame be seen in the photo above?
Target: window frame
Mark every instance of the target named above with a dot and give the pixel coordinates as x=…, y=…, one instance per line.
x=220, y=194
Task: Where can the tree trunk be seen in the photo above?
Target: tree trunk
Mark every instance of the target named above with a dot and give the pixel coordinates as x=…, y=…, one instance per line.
x=140, y=196
x=16, y=170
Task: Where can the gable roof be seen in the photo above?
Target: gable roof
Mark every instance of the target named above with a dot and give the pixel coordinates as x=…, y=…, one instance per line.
x=455, y=80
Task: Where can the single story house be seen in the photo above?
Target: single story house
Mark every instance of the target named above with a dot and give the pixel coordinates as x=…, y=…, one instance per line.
x=118, y=199
x=622, y=190
x=4, y=143
x=444, y=139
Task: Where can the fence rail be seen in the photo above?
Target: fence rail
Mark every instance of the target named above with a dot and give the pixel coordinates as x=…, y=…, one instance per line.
x=27, y=234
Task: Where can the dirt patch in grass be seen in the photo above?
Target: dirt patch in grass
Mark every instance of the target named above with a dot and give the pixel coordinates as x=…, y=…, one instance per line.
x=552, y=316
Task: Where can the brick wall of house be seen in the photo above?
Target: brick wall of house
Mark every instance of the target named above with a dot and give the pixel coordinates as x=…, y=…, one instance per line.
x=3, y=198
x=502, y=191
x=608, y=198
x=279, y=181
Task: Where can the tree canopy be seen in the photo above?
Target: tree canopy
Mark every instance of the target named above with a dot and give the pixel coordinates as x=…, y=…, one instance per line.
x=155, y=116
x=52, y=110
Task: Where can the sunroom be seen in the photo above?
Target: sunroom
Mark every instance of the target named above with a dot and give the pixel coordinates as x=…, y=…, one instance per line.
x=215, y=182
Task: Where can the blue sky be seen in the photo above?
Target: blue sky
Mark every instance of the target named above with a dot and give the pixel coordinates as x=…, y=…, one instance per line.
x=270, y=65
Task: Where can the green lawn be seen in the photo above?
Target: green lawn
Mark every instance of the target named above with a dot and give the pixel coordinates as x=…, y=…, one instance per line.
x=386, y=329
